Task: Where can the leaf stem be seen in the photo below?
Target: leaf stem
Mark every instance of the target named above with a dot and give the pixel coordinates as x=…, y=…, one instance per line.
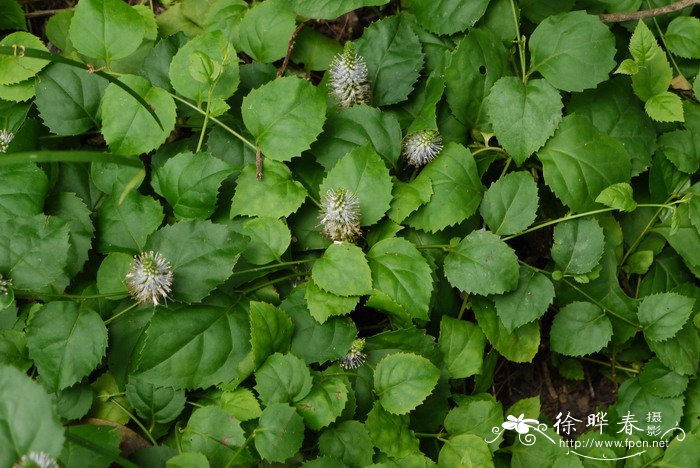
x=488, y=148
x=241, y=448
x=610, y=364
x=206, y=121
x=273, y=266
x=136, y=420
x=274, y=281
x=119, y=314
x=433, y=246
x=77, y=297
x=520, y=40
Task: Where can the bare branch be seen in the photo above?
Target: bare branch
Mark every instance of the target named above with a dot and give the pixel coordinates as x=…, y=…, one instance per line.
x=636, y=15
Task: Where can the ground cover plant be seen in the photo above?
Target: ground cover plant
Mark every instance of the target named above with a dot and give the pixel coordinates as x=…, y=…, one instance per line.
x=349, y=233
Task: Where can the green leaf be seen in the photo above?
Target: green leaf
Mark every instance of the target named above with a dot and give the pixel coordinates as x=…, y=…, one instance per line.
x=107, y=30
x=314, y=49
x=465, y=450
x=402, y=381
x=127, y=126
x=578, y=245
x=193, y=346
x=331, y=9
x=112, y=178
x=241, y=404
x=580, y=328
x=206, y=64
x=323, y=305
x=654, y=74
x=618, y=196
x=390, y=433
x=449, y=16
x=628, y=67
x=266, y=29
x=682, y=148
x=270, y=331
x=475, y=416
x=277, y=195
x=510, y=204
x=408, y=197
x=579, y=162
x=280, y=433
x=661, y=381
x=663, y=315
x=283, y=378
x=527, y=303
x=154, y=403
x=462, y=345
x=34, y=250
x=343, y=270
x=269, y=239
x=394, y=58
x=69, y=206
x=37, y=430
x=684, y=239
x=102, y=450
x=18, y=92
x=66, y=342
x=13, y=17
x=402, y=274
x=482, y=264
x=23, y=191
x=524, y=116
x=187, y=460
x=125, y=226
x=214, y=433
x=348, y=442
x=363, y=173
x=682, y=354
x=456, y=186
x=326, y=400
x=573, y=51
x=190, y=182
x=520, y=345
x=68, y=99
x=201, y=254
x=682, y=37
x=14, y=69
x=285, y=116
x=665, y=107
x=424, y=110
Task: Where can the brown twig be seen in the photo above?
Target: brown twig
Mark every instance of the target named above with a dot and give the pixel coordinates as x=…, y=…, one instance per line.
x=635, y=15
x=259, y=164
x=40, y=13
x=290, y=48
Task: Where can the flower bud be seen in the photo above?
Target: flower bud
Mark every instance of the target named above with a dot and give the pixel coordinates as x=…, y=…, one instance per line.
x=355, y=357
x=421, y=147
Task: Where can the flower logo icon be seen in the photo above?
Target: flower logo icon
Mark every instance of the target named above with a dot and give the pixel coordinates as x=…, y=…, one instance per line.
x=519, y=424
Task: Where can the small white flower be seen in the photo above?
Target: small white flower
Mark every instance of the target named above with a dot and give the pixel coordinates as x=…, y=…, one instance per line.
x=355, y=357
x=421, y=147
x=5, y=284
x=340, y=215
x=5, y=139
x=348, y=78
x=519, y=424
x=149, y=278
x=36, y=460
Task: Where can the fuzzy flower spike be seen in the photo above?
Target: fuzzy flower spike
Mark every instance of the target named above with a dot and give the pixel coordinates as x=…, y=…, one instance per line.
x=340, y=215
x=5, y=284
x=149, y=278
x=355, y=357
x=348, y=82
x=421, y=147
x=5, y=139
x=36, y=460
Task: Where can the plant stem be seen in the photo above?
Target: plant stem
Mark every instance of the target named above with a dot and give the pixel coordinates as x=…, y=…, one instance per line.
x=505, y=167
x=636, y=15
x=463, y=307
x=136, y=420
x=609, y=364
x=663, y=41
x=77, y=297
x=273, y=266
x=119, y=314
x=488, y=148
x=204, y=125
x=241, y=448
x=271, y=282
x=433, y=246
x=520, y=40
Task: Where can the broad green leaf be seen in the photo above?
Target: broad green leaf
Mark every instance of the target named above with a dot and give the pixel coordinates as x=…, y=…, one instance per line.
x=520, y=345
x=682, y=353
x=579, y=162
x=401, y=273
x=580, y=328
x=14, y=68
x=343, y=270
x=330, y=9
x=684, y=239
x=283, y=378
x=682, y=148
x=524, y=116
x=265, y=30
x=106, y=30
x=29, y=420
x=214, y=433
x=104, y=439
x=573, y=51
x=424, y=110
x=527, y=303
x=323, y=304
x=270, y=331
x=314, y=49
x=193, y=346
x=269, y=239
x=326, y=400
x=66, y=342
x=13, y=17
x=663, y=315
x=201, y=254
x=18, y=92
x=154, y=403
x=537, y=10
x=241, y=404
x=280, y=433
x=462, y=345
x=34, y=251
x=510, y=204
x=22, y=192
x=456, y=186
x=190, y=182
x=127, y=126
x=465, y=450
x=408, y=197
x=348, y=442
x=277, y=195
x=363, y=173
x=402, y=381
x=391, y=433
x=654, y=73
x=74, y=402
x=618, y=196
x=187, y=460
x=394, y=58
x=113, y=178
x=665, y=107
x=578, y=245
x=69, y=206
x=285, y=116
x=205, y=69
x=68, y=99
x=661, y=381
x=107, y=397
x=482, y=264
x=683, y=37
x=475, y=416
x=448, y=16
x=637, y=400
x=125, y=226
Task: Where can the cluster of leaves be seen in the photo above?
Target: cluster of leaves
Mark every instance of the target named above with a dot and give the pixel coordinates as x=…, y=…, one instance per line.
x=147, y=140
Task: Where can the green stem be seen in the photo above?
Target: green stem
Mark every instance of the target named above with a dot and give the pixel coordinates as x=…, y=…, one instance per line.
x=273, y=266
x=463, y=307
x=136, y=420
x=505, y=167
x=663, y=41
x=426, y=435
x=76, y=297
x=119, y=314
x=482, y=149
x=433, y=246
x=520, y=40
x=206, y=121
x=241, y=448
x=274, y=281
x=609, y=364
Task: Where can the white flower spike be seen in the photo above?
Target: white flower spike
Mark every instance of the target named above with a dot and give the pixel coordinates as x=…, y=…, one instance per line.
x=355, y=357
x=36, y=460
x=5, y=139
x=149, y=278
x=340, y=215
x=348, y=82
x=421, y=147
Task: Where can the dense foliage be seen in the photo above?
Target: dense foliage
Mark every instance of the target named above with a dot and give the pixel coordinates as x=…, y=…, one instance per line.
x=237, y=233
